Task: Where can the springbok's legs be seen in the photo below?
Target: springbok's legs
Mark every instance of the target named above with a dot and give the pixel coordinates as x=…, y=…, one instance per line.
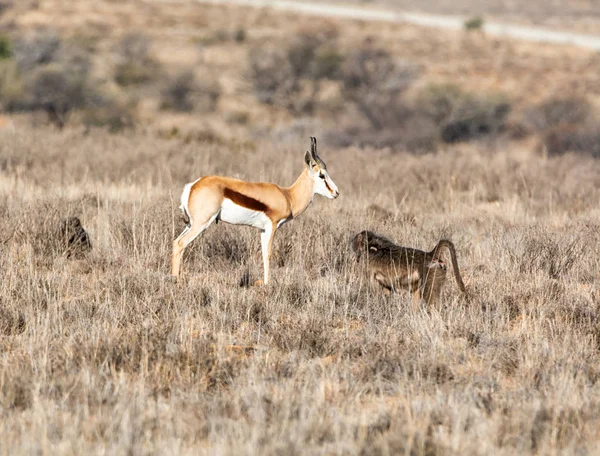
x=188, y=235
x=266, y=240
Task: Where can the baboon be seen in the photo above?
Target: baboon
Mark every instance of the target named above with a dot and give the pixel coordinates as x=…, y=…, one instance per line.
x=394, y=267
x=75, y=238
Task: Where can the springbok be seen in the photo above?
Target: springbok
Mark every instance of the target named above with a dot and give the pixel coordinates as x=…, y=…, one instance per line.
x=263, y=205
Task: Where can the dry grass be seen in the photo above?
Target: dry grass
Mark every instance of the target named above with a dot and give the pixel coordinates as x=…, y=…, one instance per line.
x=105, y=354
x=102, y=353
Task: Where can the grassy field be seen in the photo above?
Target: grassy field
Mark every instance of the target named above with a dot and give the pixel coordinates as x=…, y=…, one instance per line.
x=101, y=352
x=105, y=353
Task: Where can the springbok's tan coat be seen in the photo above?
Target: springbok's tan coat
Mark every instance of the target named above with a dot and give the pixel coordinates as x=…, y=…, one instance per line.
x=263, y=205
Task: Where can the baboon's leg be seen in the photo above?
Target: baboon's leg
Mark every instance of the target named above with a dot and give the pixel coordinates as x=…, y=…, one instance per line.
x=434, y=281
x=380, y=279
x=416, y=296
x=197, y=226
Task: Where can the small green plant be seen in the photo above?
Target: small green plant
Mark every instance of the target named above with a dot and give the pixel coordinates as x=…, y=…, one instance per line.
x=240, y=35
x=5, y=48
x=474, y=23
x=328, y=63
x=11, y=83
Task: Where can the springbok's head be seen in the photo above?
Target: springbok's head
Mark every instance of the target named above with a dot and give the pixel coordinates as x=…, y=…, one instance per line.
x=322, y=183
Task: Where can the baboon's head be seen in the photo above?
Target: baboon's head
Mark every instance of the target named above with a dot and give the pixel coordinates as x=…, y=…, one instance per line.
x=322, y=182
x=72, y=224
x=376, y=246
x=360, y=243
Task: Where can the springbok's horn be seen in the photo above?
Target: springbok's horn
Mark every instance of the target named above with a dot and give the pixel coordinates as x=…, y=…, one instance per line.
x=313, y=146
x=313, y=152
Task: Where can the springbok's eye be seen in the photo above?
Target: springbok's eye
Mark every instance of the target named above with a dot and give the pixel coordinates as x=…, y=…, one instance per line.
x=322, y=176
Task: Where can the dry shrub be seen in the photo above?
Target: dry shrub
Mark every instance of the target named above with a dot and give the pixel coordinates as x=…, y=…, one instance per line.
x=183, y=93
x=135, y=64
x=302, y=335
x=555, y=257
x=566, y=124
x=109, y=113
x=56, y=234
x=52, y=75
x=40, y=49
x=373, y=80
x=464, y=116
x=437, y=113
x=58, y=91
x=555, y=111
x=289, y=77
x=571, y=138
x=11, y=322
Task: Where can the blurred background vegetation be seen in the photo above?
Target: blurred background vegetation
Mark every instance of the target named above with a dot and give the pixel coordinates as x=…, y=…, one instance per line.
x=204, y=73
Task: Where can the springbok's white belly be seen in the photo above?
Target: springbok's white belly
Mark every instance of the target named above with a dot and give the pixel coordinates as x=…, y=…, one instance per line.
x=239, y=215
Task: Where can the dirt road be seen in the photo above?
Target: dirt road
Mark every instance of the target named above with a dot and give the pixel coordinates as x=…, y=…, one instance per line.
x=519, y=32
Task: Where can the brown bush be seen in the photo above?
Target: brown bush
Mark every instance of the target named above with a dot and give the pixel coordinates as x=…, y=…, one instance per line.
x=135, y=64
x=464, y=116
x=48, y=74
x=289, y=76
x=183, y=92
x=559, y=111
x=572, y=138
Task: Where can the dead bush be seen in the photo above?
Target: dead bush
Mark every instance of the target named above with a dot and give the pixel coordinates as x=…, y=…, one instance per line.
x=572, y=138
x=555, y=111
x=40, y=49
x=373, y=80
x=376, y=84
x=556, y=257
x=11, y=322
x=48, y=75
x=106, y=112
x=184, y=92
x=58, y=91
x=270, y=75
x=290, y=77
x=462, y=116
x=135, y=64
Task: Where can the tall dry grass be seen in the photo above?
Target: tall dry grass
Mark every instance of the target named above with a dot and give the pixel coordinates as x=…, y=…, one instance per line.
x=106, y=354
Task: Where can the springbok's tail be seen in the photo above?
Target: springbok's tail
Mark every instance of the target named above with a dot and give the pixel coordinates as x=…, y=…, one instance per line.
x=185, y=198
x=185, y=215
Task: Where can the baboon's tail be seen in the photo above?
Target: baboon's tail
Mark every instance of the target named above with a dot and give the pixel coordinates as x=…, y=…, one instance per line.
x=436, y=252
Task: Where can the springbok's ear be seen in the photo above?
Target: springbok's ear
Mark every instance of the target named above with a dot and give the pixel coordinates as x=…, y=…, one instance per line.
x=309, y=160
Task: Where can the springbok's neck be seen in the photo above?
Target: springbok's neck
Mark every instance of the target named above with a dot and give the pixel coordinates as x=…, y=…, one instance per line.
x=300, y=193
